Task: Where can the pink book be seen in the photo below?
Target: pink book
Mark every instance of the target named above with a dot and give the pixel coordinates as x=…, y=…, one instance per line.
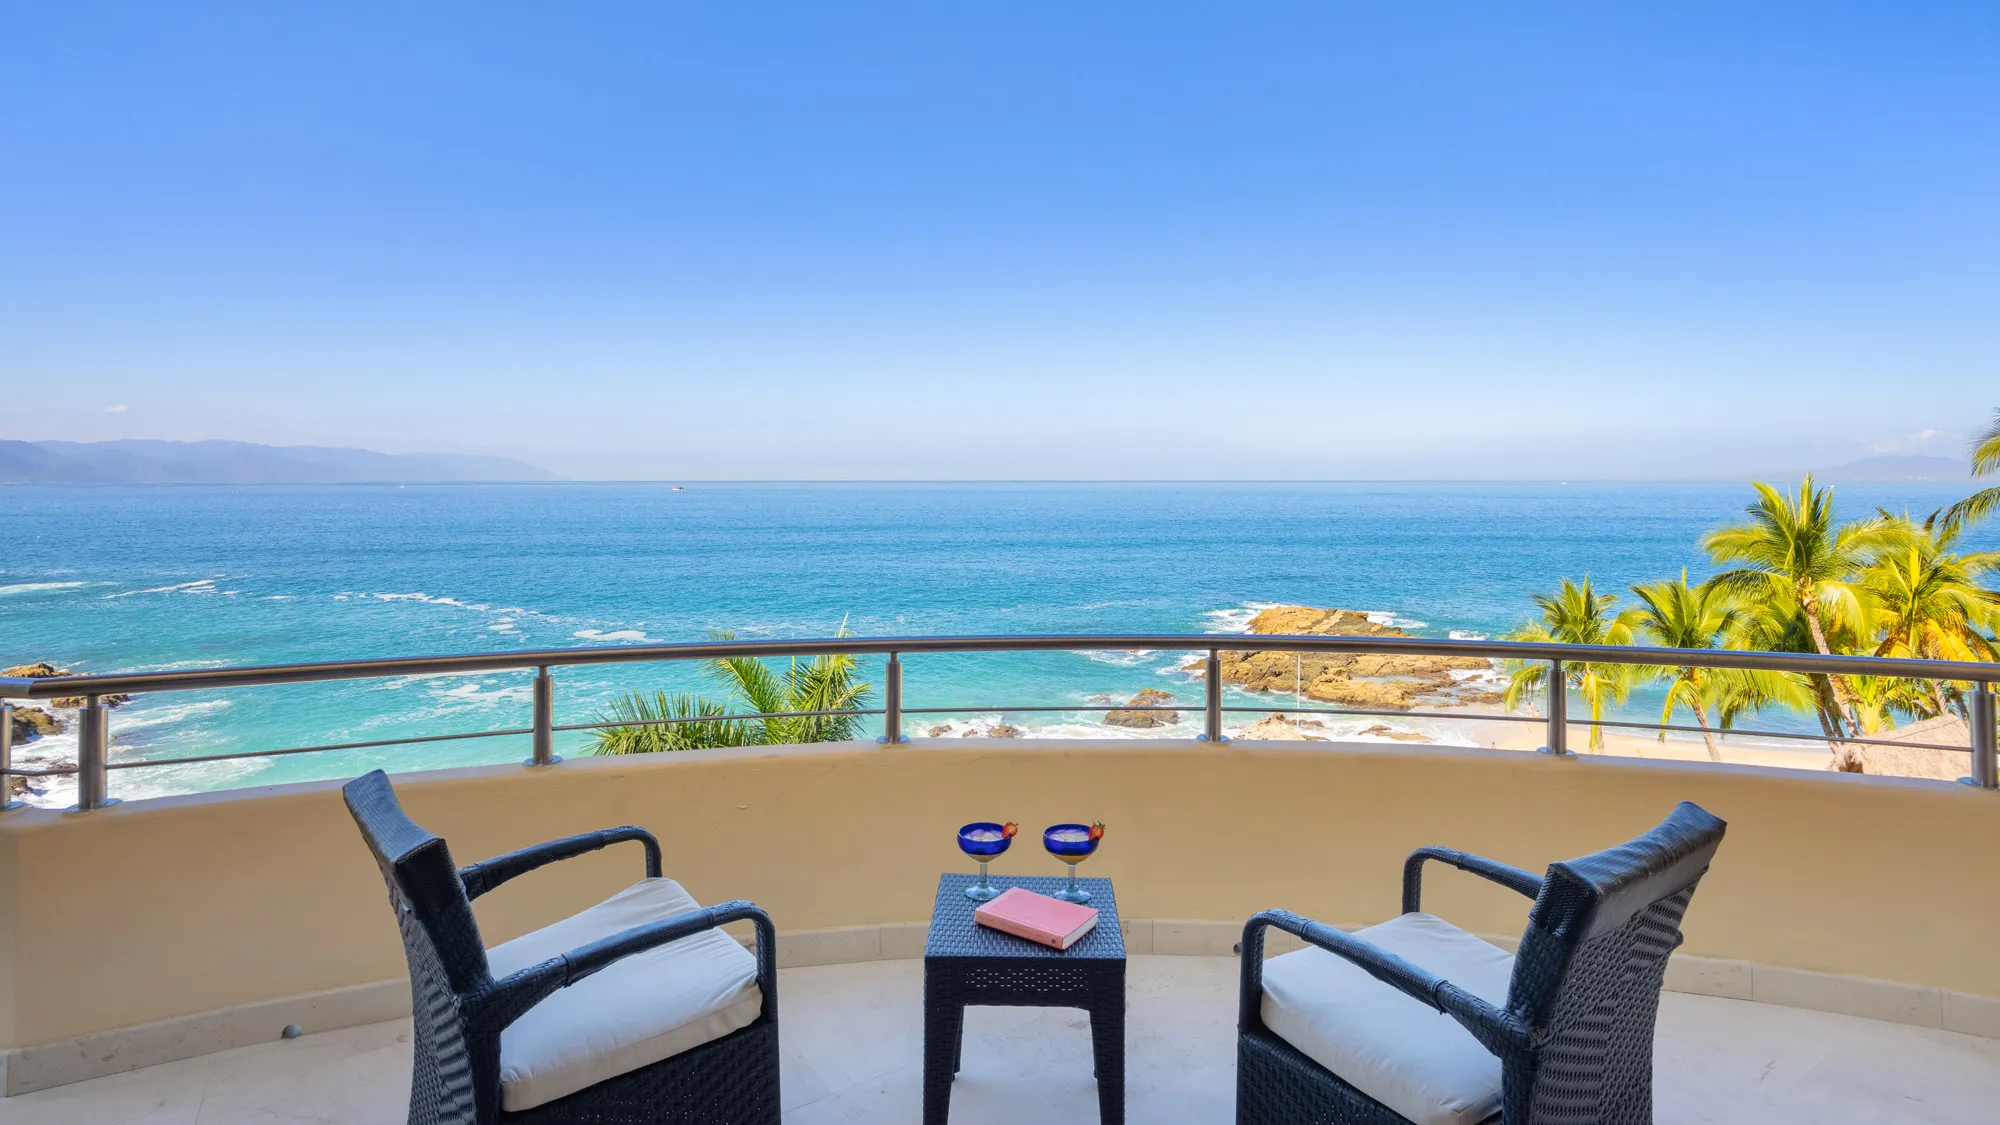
x=1038, y=918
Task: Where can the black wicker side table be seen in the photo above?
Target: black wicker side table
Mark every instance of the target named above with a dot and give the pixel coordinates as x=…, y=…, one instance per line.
x=966, y=963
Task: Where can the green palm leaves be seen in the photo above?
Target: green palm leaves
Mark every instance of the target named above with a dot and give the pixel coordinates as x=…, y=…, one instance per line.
x=1578, y=615
x=1794, y=579
x=1794, y=556
x=1985, y=462
x=789, y=706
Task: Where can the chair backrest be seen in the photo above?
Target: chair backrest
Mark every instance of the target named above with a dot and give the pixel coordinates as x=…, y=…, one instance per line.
x=1588, y=974
x=451, y=1083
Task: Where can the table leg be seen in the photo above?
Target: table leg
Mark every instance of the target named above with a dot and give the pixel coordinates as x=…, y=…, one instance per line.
x=944, y=1028
x=1107, y=1049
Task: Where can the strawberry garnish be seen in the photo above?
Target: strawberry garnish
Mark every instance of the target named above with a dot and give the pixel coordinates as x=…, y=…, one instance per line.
x=1097, y=831
x=1008, y=830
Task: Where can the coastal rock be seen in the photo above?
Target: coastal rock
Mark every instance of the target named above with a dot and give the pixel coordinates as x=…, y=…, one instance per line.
x=1278, y=728
x=1368, y=695
x=30, y=723
x=43, y=670
x=1374, y=681
x=1001, y=731
x=1382, y=730
x=1147, y=697
x=940, y=731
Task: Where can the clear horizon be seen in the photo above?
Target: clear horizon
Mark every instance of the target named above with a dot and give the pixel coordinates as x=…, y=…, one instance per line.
x=894, y=243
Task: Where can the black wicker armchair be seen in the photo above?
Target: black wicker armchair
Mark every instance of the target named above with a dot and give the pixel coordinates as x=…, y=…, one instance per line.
x=1416, y=1020
x=638, y=1010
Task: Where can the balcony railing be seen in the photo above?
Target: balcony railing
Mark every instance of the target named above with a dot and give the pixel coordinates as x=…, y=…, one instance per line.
x=94, y=732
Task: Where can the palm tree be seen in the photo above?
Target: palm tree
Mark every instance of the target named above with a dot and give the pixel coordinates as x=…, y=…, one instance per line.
x=1795, y=555
x=1676, y=615
x=1928, y=600
x=650, y=724
x=788, y=707
x=1577, y=614
x=1985, y=460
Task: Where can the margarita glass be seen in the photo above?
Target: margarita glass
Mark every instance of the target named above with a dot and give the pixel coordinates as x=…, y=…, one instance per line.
x=982, y=840
x=1072, y=843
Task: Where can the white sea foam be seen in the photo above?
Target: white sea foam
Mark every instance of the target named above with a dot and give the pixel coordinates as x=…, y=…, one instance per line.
x=1126, y=658
x=1235, y=620
x=131, y=719
x=1467, y=635
x=1395, y=620
x=36, y=587
x=203, y=586
x=614, y=635
x=477, y=694
x=429, y=599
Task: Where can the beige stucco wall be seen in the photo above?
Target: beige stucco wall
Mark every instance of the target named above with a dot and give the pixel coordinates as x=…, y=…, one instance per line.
x=154, y=909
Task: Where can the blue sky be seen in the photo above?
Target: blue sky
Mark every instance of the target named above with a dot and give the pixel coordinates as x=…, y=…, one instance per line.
x=1009, y=240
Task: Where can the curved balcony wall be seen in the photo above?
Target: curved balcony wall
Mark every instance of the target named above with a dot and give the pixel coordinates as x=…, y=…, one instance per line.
x=253, y=905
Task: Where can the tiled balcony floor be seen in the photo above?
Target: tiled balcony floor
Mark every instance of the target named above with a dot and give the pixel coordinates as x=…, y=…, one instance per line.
x=852, y=1037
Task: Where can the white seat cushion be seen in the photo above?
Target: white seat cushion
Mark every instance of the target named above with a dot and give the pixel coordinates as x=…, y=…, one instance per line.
x=1398, y=1050
x=645, y=1008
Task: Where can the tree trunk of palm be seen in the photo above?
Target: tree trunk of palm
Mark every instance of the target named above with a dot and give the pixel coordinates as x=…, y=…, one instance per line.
x=1701, y=717
x=1937, y=697
x=1842, y=694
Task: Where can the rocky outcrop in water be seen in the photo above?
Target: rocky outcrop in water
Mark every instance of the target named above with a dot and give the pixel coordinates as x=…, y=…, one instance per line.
x=1148, y=697
x=1366, y=681
x=43, y=670
x=30, y=723
x=1278, y=728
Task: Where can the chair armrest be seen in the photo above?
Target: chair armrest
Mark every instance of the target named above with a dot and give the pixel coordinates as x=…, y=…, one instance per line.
x=1498, y=1030
x=1506, y=875
x=512, y=995
x=489, y=873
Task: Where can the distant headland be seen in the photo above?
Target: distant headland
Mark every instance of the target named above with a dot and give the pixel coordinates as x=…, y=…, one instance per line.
x=242, y=462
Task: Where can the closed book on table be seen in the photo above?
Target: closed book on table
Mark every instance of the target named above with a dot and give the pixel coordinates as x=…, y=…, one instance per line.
x=1039, y=918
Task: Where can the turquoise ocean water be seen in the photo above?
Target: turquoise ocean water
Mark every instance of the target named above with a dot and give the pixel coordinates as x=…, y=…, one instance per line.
x=108, y=578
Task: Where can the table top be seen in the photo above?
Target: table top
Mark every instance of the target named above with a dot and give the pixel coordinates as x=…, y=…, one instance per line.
x=955, y=934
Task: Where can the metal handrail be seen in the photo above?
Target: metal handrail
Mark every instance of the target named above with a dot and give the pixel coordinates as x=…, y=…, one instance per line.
x=131, y=683
x=93, y=767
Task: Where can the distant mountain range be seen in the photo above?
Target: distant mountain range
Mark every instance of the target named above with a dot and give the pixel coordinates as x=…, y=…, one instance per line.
x=1896, y=467
x=240, y=462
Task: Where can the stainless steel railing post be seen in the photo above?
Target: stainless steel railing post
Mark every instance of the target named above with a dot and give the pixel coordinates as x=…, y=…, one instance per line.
x=93, y=754
x=1212, y=703
x=1558, y=733
x=892, y=702
x=7, y=801
x=543, y=736
x=1985, y=746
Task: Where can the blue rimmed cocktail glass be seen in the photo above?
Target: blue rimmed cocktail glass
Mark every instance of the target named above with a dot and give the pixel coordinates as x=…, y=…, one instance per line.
x=1072, y=843
x=982, y=840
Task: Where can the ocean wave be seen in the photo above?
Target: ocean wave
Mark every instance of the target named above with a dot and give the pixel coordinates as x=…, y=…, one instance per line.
x=614, y=635
x=1235, y=620
x=1395, y=620
x=480, y=696
x=203, y=586
x=428, y=599
x=130, y=719
x=1467, y=635
x=37, y=587
x=1123, y=658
